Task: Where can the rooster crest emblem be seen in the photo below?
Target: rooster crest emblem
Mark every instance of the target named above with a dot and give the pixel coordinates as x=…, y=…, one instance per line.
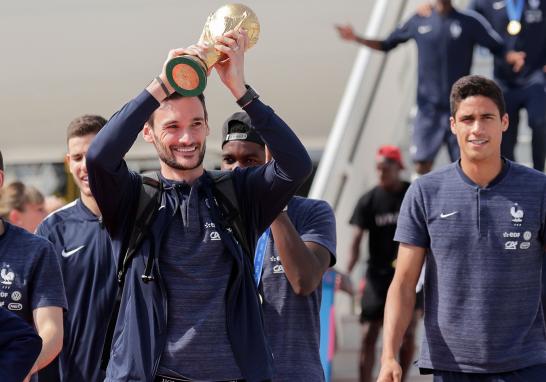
x=7, y=276
x=517, y=213
x=534, y=4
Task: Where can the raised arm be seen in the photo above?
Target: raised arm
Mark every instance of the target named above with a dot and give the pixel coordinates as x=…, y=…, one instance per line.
x=399, y=308
x=112, y=184
x=347, y=33
x=290, y=157
x=307, y=254
x=109, y=178
x=273, y=184
x=400, y=35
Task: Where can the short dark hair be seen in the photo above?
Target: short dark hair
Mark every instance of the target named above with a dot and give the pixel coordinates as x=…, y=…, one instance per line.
x=473, y=85
x=84, y=125
x=1, y=162
x=175, y=96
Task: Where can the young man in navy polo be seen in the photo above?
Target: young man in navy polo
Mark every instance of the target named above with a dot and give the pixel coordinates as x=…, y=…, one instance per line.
x=31, y=286
x=190, y=309
x=483, y=241
x=83, y=247
x=522, y=25
x=445, y=44
x=288, y=265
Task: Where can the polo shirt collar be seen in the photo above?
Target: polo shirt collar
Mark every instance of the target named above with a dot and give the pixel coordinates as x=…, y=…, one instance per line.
x=506, y=164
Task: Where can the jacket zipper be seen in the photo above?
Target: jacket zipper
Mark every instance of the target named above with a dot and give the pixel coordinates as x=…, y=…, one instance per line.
x=165, y=315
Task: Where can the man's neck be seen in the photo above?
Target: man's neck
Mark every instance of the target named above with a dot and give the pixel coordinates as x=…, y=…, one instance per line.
x=395, y=187
x=484, y=172
x=2, y=228
x=91, y=204
x=188, y=176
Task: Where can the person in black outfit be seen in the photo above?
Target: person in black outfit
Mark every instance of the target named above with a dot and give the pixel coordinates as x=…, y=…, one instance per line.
x=377, y=213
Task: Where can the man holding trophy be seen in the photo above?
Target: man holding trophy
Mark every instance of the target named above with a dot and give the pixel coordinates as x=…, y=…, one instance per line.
x=189, y=308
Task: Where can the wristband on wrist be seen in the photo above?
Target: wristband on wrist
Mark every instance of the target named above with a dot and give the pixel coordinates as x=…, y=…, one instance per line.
x=248, y=97
x=163, y=86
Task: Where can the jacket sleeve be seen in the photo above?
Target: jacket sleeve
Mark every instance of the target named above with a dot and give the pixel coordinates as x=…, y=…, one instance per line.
x=112, y=184
x=400, y=35
x=486, y=36
x=19, y=347
x=270, y=187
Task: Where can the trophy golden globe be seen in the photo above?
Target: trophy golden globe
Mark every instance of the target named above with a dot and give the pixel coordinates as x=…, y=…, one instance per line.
x=187, y=74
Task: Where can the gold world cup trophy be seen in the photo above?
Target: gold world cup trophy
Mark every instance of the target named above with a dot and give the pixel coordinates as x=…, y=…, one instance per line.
x=187, y=74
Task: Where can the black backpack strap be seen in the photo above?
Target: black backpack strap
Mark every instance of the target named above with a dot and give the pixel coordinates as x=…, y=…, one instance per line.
x=224, y=191
x=148, y=202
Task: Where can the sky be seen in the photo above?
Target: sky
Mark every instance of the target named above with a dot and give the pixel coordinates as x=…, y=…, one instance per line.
x=64, y=58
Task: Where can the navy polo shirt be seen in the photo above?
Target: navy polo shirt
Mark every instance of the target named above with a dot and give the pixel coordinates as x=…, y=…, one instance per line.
x=196, y=268
x=292, y=322
x=84, y=251
x=483, y=310
x=531, y=39
x=445, y=45
x=30, y=277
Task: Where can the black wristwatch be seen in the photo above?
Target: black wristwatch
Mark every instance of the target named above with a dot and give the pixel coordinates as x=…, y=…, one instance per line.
x=248, y=97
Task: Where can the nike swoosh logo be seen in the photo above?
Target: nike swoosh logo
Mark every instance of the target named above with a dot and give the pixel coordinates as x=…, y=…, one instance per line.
x=443, y=216
x=498, y=5
x=424, y=29
x=70, y=253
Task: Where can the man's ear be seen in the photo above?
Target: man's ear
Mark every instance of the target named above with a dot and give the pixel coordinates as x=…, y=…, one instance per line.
x=147, y=133
x=505, y=121
x=452, y=125
x=1, y=178
x=67, y=163
x=14, y=217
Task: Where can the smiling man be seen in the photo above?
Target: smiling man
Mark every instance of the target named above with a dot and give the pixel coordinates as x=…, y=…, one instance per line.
x=190, y=309
x=83, y=247
x=445, y=41
x=482, y=238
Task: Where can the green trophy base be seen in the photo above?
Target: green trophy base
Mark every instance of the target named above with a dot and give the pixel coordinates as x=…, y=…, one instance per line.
x=187, y=75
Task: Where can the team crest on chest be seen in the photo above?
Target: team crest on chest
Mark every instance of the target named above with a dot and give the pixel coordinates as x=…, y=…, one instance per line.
x=7, y=276
x=455, y=29
x=517, y=215
x=534, y=4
